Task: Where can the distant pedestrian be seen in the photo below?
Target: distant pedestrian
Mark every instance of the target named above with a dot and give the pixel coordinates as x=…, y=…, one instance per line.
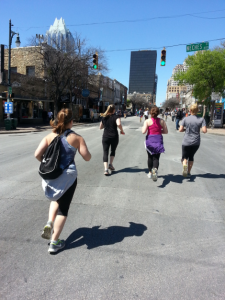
x=173, y=115
x=60, y=190
x=146, y=113
x=141, y=114
x=110, y=137
x=179, y=117
x=154, y=127
x=50, y=114
x=191, y=141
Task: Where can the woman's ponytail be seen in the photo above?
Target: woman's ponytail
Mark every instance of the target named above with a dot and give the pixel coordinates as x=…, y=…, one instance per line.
x=64, y=116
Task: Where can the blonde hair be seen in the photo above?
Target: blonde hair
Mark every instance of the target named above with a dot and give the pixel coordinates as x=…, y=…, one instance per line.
x=109, y=111
x=194, y=108
x=64, y=116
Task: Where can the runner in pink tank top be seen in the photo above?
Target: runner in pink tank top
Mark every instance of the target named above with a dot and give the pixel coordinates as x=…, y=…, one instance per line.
x=156, y=127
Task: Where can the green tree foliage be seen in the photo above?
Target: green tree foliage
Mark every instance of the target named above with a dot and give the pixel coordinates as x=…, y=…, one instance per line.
x=206, y=72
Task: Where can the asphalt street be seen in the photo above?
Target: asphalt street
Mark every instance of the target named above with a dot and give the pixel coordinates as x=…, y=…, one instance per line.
x=127, y=237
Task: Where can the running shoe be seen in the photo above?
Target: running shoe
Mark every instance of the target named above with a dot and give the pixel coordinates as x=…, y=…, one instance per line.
x=106, y=173
x=154, y=174
x=189, y=175
x=46, y=233
x=185, y=170
x=54, y=247
x=111, y=167
x=149, y=175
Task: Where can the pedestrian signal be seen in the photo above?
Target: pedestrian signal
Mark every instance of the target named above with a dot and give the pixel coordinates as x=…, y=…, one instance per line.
x=95, y=61
x=163, y=57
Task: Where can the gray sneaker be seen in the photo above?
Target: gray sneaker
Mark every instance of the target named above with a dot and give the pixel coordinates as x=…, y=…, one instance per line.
x=189, y=175
x=46, y=233
x=154, y=174
x=54, y=247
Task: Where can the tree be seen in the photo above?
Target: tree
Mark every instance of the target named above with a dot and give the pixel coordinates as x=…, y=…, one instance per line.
x=206, y=72
x=66, y=65
x=171, y=103
x=140, y=101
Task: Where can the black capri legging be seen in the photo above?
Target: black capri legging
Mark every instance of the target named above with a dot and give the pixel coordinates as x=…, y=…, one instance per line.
x=65, y=200
x=107, y=142
x=188, y=152
x=153, y=161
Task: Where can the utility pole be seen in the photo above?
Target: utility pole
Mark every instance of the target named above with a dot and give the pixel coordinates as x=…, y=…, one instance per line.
x=11, y=35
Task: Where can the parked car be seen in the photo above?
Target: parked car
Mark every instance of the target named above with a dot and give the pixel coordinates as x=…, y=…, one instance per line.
x=90, y=114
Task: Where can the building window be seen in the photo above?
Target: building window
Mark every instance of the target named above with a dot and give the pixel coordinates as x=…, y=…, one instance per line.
x=30, y=71
x=13, y=69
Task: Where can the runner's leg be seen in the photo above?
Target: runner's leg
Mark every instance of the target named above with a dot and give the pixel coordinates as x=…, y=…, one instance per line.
x=106, y=145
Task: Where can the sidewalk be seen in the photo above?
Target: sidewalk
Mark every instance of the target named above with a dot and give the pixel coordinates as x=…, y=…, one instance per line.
x=27, y=128
x=217, y=131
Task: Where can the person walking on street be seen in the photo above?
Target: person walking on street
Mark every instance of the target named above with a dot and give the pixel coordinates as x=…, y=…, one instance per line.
x=60, y=191
x=146, y=114
x=173, y=115
x=154, y=127
x=191, y=141
x=141, y=114
x=110, y=137
x=179, y=117
x=50, y=114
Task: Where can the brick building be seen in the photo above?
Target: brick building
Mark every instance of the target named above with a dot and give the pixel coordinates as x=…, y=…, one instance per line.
x=28, y=85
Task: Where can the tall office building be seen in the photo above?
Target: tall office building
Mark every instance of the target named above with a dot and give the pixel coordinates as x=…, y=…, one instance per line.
x=142, y=71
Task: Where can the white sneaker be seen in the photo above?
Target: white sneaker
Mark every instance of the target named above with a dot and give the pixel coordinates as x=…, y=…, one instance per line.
x=149, y=175
x=154, y=174
x=46, y=233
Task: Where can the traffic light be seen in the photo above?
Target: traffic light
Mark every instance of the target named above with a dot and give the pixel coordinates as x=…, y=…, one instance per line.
x=95, y=61
x=163, y=57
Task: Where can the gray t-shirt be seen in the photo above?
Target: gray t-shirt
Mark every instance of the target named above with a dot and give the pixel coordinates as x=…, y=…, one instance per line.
x=193, y=125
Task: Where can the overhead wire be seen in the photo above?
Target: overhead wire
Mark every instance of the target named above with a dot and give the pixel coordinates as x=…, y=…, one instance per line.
x=155, y=48
x=140, y=20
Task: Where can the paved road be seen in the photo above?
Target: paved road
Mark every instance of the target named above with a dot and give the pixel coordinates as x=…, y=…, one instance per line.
x=127, y=236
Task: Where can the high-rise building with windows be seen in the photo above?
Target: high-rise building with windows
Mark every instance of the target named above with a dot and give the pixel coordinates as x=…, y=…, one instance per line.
x=142, y=72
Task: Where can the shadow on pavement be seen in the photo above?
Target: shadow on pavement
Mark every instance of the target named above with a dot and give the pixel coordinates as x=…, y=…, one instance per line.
x=179, y=178
x=95, y=237
x=130, y=170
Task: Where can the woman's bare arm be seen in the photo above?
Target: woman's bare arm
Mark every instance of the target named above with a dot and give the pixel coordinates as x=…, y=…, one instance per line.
x=119, y=125
x=101, y=126
x=145, y=127
x=41, y=149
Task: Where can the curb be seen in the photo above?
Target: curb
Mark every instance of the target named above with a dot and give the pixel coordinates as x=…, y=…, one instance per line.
x=216, y=133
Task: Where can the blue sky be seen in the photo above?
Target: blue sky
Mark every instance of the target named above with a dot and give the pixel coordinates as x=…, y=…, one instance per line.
x=138, y=35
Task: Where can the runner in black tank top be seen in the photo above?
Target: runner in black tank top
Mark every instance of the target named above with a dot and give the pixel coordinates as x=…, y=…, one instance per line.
x=110, y=137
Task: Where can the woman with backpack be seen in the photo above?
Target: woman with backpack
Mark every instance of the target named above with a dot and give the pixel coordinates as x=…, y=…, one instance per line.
x=60, y=190
x=110, y=137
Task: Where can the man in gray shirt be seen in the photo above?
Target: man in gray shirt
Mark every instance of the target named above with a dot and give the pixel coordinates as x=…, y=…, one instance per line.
x=191, y=140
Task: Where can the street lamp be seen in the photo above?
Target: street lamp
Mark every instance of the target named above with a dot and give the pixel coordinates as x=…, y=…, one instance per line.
x=17, y=42
x=11, y=35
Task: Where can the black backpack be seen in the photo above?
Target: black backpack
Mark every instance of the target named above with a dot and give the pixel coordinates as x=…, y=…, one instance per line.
x=50, y=164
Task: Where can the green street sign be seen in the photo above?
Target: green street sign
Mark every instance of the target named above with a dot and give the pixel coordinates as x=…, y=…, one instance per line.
x=10, y=90
x=197, y=47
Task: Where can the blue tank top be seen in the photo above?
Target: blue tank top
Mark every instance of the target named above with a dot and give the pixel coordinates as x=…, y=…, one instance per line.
x=67, y=152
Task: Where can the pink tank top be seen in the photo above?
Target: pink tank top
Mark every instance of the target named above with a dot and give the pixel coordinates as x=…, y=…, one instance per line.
x=156, y=127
